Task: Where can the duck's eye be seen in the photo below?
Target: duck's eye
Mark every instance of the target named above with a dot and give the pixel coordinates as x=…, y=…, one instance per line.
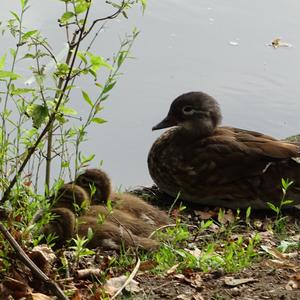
x=188, y=110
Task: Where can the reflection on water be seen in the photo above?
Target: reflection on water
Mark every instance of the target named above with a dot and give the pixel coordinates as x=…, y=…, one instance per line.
x=215, y=46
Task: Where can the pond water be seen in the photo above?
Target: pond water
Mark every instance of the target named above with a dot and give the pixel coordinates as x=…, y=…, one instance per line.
x=220, y=47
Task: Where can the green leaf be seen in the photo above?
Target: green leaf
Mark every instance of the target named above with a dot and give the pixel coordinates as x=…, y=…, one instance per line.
x=286, y=202
x=38, y=113
x=87, y=98
x=2, y=61
x=8, y=74
x=15, y=15
x=90, y=233
x=67, y=16
x=68, y=110
x=65, y=164
x=22, y=91
x=121, y=58
x=23, y=3
x=82, y=56
x=273, y=207
x=109, y=87
x=28, y=34
x=97, y=62
x=98, y=120
x=81, y=7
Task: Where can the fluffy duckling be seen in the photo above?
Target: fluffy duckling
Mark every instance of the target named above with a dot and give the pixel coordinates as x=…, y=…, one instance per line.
x=124, y=202
x=220, y=166
x=73, y=197
x=110, y=235
x=62, y=225
x=107, y=235
x=118, y=227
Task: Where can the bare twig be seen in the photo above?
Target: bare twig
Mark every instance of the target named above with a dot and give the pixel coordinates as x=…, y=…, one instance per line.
x=112, y=16
x=52, y=286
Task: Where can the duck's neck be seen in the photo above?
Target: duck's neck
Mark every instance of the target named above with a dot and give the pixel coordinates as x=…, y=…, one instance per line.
x=196, y=130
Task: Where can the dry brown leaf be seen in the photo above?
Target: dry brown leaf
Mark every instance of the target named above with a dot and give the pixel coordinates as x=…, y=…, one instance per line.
x=39, y=296
x=183, y=297
x=227, y=217
x=148, y=265
x=205, y=215
x=274, y=252
x=294, y=282
x=43, y=257
x=197, y=297
x=194, y=279
x=280, y=264
x=231, y=281
x=18, y=289
x=196, y=252
x=172, y=270
x=114, y=284
x=296, y=238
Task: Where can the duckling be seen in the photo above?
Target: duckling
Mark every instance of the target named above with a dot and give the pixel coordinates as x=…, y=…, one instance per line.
x=124, y=202
x=108, y=235
x=62, y=225
x=135, y=225
x=209, y=164
x=73, y=197
x=118, y=227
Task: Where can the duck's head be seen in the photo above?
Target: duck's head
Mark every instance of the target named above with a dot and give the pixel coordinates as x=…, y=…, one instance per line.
x=194, y=111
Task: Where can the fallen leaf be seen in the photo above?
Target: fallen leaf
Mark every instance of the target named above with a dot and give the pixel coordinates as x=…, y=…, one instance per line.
x=227, y=217
x=44, y=257
x=114, y=284
x=196, y=252
x=205, y=215
x=39, y=296
x=183, y=297
x=294, y=282
x=194, y=279
x=148, y=265
x=173, y=269
x=273, y=251
x=281, y=264
x=17, y=287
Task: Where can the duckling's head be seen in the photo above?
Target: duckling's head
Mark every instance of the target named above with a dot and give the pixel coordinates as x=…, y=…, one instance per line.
x=194, y=111
x=73, y=197
x=96, y=183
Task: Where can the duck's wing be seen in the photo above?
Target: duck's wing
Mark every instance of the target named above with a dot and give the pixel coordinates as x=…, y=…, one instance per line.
x=252, y=143
x=229, y=155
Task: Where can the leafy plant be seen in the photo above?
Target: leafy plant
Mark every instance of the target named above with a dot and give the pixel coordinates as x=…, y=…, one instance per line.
x=80, y=249
x=280, y=219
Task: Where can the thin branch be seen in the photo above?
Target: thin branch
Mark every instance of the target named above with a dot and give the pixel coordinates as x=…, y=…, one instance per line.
x=52, y=286
x=70, y=57
x=112, y=16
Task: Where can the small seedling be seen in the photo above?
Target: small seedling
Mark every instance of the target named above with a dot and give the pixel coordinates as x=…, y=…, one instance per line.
x=280, y=220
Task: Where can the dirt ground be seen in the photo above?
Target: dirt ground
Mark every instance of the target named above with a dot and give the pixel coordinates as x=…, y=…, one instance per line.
x=272, y=276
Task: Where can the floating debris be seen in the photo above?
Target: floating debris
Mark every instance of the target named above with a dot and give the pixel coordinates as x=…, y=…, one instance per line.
x=276, y=43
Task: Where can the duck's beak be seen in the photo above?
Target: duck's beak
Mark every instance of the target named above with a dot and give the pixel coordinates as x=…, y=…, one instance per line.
x=165, y=123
